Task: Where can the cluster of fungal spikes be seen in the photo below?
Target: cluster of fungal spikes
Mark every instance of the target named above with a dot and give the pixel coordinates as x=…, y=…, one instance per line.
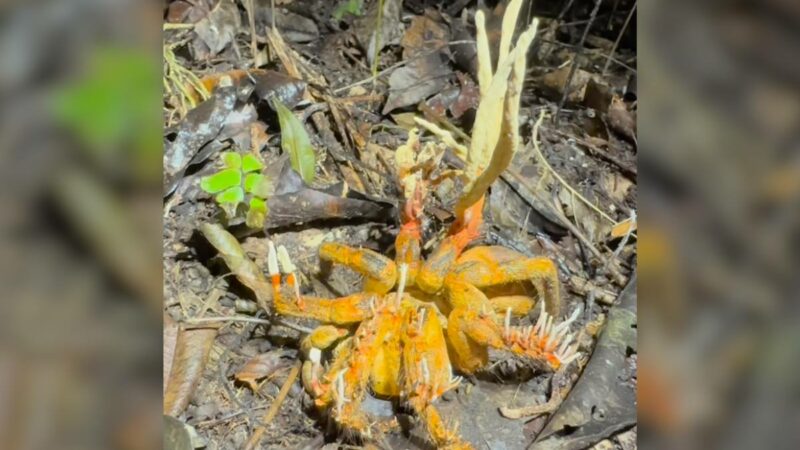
x=553, y=341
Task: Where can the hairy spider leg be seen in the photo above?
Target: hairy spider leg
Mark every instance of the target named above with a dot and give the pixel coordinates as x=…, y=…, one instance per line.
x=473, y=327
x=428, y=373
x=288, y=301
x=312, y=346
x=379, y=271
x=346, y=381
x=487, y=266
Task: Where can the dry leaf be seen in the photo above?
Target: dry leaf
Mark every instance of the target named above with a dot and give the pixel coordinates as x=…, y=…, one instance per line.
x=171, y=330
x=259, y=367
x=623, y=228
x=191, y=354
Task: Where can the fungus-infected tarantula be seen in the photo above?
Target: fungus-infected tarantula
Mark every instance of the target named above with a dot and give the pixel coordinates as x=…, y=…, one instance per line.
x=417, y=320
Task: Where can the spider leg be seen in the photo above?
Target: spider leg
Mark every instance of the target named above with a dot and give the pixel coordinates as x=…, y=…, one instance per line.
x=428, y=373
x=488, y=266
x=345, y=383
x=288, y=300
x=380, y=272
x=473, y=327
x=312, y=346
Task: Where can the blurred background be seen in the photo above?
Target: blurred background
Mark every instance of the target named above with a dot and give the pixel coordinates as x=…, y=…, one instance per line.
x=80, y=260
x=720, y=184
x=80, y=145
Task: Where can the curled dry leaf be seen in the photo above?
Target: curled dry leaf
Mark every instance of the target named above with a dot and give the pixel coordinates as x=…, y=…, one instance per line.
x=621, y=120
x=268, y=83
x=260, y=367
x=191, y=354
x=200, y=126
x=219, y=27
x=247, y=272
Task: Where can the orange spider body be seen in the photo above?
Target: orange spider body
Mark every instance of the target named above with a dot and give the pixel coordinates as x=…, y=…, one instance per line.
x=416, y=320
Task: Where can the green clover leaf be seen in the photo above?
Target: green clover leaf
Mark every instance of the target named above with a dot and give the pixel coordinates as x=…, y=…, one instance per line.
x=224, y=179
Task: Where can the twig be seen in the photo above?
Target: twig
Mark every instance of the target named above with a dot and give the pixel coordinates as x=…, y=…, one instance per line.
x=195, y=320
x=619, y=38
x=398, y=65
x=595, y=150
x=378, y=31
x=255, y=439
x=251, y=19
x=578, y=54
x=618, y=277
x=178, y=26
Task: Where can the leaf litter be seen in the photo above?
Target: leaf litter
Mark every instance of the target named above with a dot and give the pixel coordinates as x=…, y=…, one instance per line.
x=555, y=201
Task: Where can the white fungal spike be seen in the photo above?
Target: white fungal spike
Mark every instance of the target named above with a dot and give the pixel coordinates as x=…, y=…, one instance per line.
x=401, y=284
x=507, y=322
x=315, y=355
x=564, y=345
x=565, y=324
x=287, y=266
x=372, y=305
x=272, y=259
x=421, y=322
x=426, y=374
x=541, y=324
x=340, y=397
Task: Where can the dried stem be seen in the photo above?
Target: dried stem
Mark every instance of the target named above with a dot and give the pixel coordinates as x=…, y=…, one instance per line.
x=255, y=439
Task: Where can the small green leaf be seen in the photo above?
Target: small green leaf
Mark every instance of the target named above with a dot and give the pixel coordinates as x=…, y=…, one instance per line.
x=233, y=196
x=256, y=213
x=221, y=180
x=232, y=160
x=230, y=199
x=258, y=185
x=250, y=163
x=348, y=7
x=295, y=142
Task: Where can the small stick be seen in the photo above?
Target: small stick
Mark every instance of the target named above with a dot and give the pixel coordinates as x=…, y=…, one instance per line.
x=619, y=38
x=618, y=277
x=578, y=55
x=254, y=440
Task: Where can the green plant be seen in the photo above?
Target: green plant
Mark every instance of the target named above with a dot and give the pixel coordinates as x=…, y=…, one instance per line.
x=295, y=142
x=352, y=7
x=240, y=181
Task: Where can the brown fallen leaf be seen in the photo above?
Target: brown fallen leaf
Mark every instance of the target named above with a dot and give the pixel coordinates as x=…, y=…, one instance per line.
x=373, y=37
x=294, y=27
x=171, y=330
x=556, y=81
x=260, y=367
x=621, y=120
x=191, y=354
x=427, y=70
x=219, y=27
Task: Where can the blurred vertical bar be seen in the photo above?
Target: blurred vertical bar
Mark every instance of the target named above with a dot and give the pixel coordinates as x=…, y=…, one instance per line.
x=80, y=224
x=719, y=125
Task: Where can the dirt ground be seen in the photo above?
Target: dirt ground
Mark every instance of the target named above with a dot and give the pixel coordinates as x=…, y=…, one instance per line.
x=573, y=199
